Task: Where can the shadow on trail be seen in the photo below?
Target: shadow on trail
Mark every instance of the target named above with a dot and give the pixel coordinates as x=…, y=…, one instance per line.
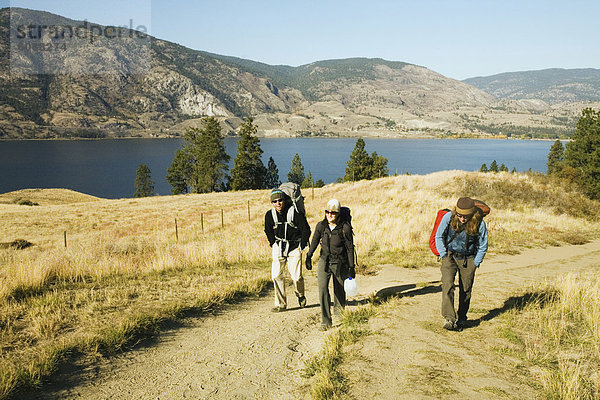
x=408, y=290
x=540, y=299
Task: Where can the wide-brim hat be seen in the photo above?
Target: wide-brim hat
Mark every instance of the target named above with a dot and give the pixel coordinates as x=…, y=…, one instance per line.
x=465, y=206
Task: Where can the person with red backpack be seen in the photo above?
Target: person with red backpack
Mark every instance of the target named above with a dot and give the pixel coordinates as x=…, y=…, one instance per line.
x=334, y=233
x=462, y=241
x=288, y=233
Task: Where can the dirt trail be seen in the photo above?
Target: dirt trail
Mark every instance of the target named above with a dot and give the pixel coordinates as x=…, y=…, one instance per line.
x=248, y=352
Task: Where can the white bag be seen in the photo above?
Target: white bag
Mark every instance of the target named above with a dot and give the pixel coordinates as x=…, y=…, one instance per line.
x=351, y=287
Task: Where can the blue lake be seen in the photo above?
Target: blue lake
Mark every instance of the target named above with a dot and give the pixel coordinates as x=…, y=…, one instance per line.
x=106, y=168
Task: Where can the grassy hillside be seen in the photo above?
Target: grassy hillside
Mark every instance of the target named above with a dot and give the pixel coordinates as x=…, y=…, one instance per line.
x=127, y=271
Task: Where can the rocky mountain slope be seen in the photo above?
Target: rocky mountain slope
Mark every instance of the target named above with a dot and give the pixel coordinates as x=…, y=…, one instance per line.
x=550, y=85
x=91, y=88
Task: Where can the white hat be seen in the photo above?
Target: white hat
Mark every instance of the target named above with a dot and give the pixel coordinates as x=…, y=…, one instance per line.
x=333, y=205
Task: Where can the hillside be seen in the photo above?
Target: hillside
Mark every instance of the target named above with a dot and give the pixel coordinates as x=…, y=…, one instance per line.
x=154, y=278
x=111, y=88
x=550, y=85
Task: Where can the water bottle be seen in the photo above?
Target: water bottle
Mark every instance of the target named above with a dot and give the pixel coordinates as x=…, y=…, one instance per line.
x=351, y=287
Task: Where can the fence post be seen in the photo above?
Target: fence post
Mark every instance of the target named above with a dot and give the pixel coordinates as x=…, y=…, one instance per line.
x=176, y=231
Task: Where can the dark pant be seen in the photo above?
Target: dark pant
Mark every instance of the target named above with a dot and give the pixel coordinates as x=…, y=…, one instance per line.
x=466, y=274
x=324, y=273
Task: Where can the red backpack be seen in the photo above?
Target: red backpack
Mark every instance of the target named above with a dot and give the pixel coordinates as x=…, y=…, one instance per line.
x=484, y=208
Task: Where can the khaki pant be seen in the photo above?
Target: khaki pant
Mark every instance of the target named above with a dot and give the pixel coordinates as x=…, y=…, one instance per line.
x=466, y=275
x=293, y=262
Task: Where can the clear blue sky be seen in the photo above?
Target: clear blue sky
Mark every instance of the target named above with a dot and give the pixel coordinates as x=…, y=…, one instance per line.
x=459, y=39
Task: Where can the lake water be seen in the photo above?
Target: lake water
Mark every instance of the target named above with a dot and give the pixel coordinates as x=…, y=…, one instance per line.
x=106, y=168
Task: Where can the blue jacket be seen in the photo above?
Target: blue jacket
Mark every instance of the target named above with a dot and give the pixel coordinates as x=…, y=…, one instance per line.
x=471, y=246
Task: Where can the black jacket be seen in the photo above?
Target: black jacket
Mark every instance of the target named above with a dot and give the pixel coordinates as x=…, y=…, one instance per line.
x=337, y=246
x=299, y=234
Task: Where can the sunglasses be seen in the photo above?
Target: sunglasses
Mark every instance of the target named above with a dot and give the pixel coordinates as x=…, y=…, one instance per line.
x=463, y=216
x=331, y=212
x=277, y=201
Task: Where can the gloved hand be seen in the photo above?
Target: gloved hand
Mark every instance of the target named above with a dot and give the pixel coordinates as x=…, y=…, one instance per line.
x=308, y=263
x=351, y=273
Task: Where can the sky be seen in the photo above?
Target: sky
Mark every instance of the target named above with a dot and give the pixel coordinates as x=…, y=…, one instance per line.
x=456, y=38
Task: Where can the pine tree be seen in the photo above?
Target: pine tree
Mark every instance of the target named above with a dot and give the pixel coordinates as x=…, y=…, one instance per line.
x=296, y=173
x=179, y=172
x=202, y=163
x=272, y=178
x=556, y=157
x=483, y=168
x=308, y=181
x=378, y=166
x=248, y=171
x=582, y=154
x=503, y=168
x=493, y=166
x=144, y=185
x=359, y=165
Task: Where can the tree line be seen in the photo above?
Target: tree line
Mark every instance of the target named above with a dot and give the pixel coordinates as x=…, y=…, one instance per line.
x=201, y=165
x=579, y=161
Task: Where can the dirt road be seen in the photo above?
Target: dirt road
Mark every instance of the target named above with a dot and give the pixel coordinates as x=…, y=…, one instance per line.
x=248, y=352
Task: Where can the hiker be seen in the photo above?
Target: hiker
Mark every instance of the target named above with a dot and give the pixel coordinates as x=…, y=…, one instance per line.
x=334, y=233
x=462, y=241
x=287, y=239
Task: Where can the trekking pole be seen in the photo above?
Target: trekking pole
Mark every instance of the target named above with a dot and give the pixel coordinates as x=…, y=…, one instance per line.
x=65, y=237
x=176, y=231
x=248, y=210
x=202, y=221
x=222, y=219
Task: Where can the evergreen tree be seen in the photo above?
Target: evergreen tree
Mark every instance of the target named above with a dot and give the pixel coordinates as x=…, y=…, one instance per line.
x=308, y=181
x=296, y=173
x=272, y=178
x=359, y=165
x=503, y=168
x=483, y=168
x=202, y=163
x=319, y=183
x=556, y=157
x=493, y=166
x=582, y=154
x=179, y=172
x=248, y=171
x=378, y=166
x=144, y=185
x=514, y=171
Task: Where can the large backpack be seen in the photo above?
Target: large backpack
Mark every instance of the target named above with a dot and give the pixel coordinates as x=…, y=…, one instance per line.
x=480, y=205
x=293, y=193
x=292, y=190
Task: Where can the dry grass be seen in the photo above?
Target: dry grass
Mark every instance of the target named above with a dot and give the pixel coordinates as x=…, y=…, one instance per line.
x=123, y=266
x=560, y=333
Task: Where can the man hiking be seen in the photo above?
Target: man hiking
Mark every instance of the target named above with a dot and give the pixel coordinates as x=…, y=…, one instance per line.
x=288, y=233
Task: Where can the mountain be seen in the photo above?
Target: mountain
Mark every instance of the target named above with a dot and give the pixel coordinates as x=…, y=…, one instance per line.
x=553, y=86
x=93, y=85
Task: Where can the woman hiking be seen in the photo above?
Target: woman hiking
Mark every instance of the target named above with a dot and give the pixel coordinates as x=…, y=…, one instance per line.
x=462, y=241
x=334, y=233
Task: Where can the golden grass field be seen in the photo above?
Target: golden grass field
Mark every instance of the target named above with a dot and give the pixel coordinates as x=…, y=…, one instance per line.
x=124, y=274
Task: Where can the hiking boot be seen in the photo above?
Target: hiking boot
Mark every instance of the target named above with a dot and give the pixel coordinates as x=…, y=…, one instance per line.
x=461, y=324
x=449, y=325
x=302, y=301
x=278, y=309
x=324, y=327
